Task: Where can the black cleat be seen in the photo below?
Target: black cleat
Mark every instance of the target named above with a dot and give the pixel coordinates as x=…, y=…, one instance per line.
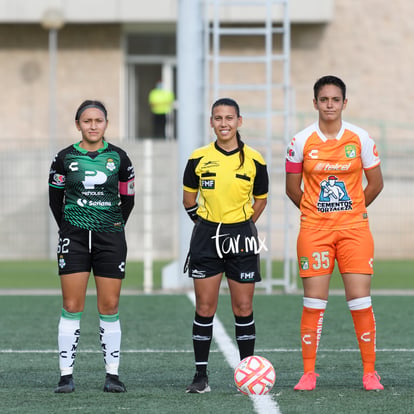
x=65, y=385
x=199, y=384
x=112, y=384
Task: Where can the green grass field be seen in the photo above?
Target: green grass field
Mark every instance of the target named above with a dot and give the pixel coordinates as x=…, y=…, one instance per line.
x=42, y=274
x=157, y=359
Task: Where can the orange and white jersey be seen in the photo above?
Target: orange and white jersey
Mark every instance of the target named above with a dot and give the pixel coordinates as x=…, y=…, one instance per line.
x=332, y=171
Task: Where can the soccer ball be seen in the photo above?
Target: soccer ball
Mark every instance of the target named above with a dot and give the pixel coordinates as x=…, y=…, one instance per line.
x=254, y=375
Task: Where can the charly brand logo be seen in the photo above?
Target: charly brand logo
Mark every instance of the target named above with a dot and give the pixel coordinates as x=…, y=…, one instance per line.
x=232, y=244
x=314, y=154
x=198, y=274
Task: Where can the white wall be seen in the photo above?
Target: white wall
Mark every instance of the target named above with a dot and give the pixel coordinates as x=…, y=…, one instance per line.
x=129, y=11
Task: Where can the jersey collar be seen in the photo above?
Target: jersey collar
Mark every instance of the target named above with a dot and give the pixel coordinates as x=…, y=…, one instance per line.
x=85, y=151
x=323, y=137
x=226, y=152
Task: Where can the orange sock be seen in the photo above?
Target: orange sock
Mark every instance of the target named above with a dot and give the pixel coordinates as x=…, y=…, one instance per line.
x=365, y=329
x=310, y=331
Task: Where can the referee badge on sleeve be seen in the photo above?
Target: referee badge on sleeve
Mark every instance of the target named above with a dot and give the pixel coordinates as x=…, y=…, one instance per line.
x=208, y=184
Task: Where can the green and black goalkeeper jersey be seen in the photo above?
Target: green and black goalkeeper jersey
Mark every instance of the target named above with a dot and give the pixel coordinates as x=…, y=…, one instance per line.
x=225, y=189
x=92, y=190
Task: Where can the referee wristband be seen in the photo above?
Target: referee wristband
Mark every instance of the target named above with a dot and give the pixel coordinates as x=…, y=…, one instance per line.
x=192, y=212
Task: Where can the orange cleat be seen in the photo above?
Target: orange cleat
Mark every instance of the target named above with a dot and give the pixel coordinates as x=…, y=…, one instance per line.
x=307, y=382
x=371, y=381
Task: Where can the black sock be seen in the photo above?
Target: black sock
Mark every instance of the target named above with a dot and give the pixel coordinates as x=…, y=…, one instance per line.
x=245, y=335
x=202, y=335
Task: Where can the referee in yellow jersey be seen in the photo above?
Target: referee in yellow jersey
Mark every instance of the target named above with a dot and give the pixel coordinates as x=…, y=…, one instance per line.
x=225, y=191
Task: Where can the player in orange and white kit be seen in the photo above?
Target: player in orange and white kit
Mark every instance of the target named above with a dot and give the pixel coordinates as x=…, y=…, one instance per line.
x=330, y=158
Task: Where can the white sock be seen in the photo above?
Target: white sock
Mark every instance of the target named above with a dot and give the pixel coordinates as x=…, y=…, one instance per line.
x=314, y=303
x=359, y=303
x=68, y=340
x=110, y=336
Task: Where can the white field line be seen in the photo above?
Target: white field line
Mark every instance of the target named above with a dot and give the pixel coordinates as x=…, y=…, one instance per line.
x=138, y=292
x=263, y=404
x=188, y=351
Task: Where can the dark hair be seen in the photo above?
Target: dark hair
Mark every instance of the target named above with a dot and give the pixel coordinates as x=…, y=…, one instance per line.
x=329, y=80
x=235, y=105
x=90, y=104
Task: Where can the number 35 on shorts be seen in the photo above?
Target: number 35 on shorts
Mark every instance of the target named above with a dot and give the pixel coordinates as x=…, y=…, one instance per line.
x=320, y=260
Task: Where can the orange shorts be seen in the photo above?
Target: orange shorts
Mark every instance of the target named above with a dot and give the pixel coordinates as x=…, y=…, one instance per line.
x=317, y=250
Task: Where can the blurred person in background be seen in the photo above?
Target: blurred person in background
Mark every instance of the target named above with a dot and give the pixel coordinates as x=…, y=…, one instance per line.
x=231, y=183
x=325, y=165
x=161, y=102
x=91, y=195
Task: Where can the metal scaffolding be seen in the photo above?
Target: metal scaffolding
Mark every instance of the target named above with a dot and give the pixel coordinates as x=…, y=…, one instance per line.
x=261, y=29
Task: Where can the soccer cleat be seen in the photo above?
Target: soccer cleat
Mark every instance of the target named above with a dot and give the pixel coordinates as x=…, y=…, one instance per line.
x=199, y=384
x=112, y=384
x=307, y=382
x=65, y=385
x=371, y=381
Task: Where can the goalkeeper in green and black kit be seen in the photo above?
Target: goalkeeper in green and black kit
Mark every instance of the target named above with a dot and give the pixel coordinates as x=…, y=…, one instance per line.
x=91, y=195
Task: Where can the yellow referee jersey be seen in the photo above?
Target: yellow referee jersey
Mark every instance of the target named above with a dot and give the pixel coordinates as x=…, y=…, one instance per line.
x=225, y=189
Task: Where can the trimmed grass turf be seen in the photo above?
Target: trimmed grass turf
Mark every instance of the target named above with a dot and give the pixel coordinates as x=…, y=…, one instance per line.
x=159, y=326
x=157, y=360
x=42, y=274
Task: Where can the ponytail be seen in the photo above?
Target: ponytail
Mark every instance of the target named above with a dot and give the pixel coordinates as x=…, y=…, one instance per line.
x=240, y=145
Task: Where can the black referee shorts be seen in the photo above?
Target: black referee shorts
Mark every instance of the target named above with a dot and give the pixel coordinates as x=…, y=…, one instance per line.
x=232, y=249
x=82, y=250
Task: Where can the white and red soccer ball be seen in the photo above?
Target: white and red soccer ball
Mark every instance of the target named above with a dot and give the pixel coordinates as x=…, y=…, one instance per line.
x=254, y=375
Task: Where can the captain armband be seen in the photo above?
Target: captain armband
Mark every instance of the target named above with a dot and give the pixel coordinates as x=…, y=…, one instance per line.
x=192, y=212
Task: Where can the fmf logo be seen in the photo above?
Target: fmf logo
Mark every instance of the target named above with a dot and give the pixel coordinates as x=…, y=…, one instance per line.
x=247, y=275
x=208, y=184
